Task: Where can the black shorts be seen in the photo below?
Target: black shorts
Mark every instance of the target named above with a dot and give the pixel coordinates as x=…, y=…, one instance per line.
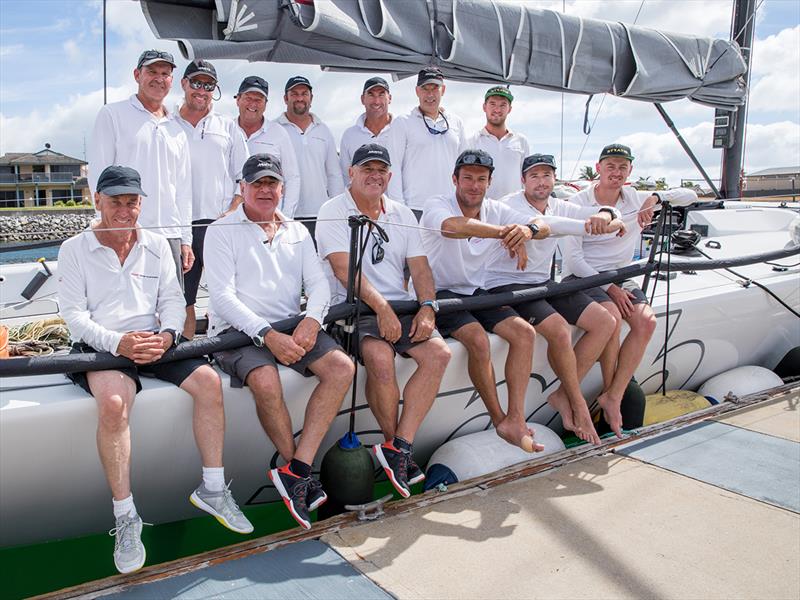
x=239, y=362
x=175, y=372
x=598, y=294
x=448, y=323
x=368, y=327
x=570, y=307
x=191, y=280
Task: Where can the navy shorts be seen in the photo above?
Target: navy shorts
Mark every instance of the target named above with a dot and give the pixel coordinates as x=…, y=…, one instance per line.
x=191, y=280
x=598, y=294
x=448, y=323
x=570, y=307
x=368, y=327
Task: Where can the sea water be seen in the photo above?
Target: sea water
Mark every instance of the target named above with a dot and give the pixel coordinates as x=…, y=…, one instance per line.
x=24, y=255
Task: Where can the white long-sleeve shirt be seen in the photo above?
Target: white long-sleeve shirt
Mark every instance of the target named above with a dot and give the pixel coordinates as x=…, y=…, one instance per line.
x=252, y=282
x=126, y=133
x=390, y=137
x=429, y=159
x=218, y=150
x=587, y=256
x=101, y=299
x=320, y=178
x=273, y=139
x=508, y=153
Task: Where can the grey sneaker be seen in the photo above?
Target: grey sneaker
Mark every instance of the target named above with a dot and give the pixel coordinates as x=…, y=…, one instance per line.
x=129, y=554
x=223, y=507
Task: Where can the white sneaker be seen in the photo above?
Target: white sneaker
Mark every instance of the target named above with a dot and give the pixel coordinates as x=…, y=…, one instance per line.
x=129, y=553
x=223, y=507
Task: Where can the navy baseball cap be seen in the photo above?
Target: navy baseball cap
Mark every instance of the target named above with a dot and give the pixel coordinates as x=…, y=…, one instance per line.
x=262, y=165
x=148, y=57
x=200, y=67
x=253, y=83
x=295, y=81
x=538, y=159
x=375, y=82
x=117, y=180
x=616, y=151
x=430, y=75
x=369, y=152
x=475, y=157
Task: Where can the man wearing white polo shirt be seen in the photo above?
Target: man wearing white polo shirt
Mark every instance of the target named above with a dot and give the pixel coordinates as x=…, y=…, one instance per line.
x=461, y=230
x=507, y=148
x=433, y=137
x=320, y=178
x=383, y=334
x=584, y=257
x=376, y=125
x=138, y=132
x=218, y=151
x=551, y=317
x=268, y=137
x=257, y=264
x=118, y=293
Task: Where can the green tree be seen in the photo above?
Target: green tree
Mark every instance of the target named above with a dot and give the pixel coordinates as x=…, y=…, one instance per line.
x=588, y=173
x=645, y=183
x=661, y=183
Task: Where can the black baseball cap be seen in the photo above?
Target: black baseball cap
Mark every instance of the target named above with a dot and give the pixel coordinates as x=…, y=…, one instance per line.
x=262, y=165
x=295, y=81
x=375, y=82
x=430, y=75
x=369, y=152
x=617, y=151
x=475, y=157
x=253, y=83
x=148, y=57
x=116, y=180
x=200, y=67
x=538, y=159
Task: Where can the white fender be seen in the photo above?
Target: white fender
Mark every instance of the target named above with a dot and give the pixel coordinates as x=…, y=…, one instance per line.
x=740, y=381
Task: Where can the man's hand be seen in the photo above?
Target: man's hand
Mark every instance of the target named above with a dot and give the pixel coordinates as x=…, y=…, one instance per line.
x=423, y=324
x=619, y=226
x=598, y=223
x=305, y=334
x=645, y=215
x=187, y=257
x=283, y=347
x=167, y=340
x=513, y=236
x=142, y=347
x=389, y=325
x=521, y=254
x=622, y=298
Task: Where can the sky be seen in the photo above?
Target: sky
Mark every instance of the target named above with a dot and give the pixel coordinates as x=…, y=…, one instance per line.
x=51, y=85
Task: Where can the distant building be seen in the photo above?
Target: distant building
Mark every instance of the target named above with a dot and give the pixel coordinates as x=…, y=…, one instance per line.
x=778, y=181
x=42, y=179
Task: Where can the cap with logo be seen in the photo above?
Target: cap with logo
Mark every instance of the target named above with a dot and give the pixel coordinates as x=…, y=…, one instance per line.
x=253, y=83
x=200, y=67
x=499, y=90
x=475, y=157
x=616, y=151
x=534, y=160
x=369, y=152
x=148, y=57
x=262, y=165
x=375, y=82
x=297, y=80
x=430, y=75
x=116, y=180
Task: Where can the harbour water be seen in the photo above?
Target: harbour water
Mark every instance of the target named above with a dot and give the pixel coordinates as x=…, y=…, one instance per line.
x=24, y=255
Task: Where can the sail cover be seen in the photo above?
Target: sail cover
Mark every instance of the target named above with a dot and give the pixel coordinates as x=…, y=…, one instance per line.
x=491, y=41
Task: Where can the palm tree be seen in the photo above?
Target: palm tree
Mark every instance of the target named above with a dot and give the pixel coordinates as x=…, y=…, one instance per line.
x=588, y=173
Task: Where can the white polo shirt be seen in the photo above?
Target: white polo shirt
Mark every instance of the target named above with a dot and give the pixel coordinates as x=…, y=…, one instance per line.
x=100, y=299
x=587, y=256
x=508, y=153
x=126, y=133
x=459, y=265
x=273, y=139
x=564, y=218
x=429, y=159
x=405, y=241
x=218, y=150
x=252, y=282
x=390, y=137
x=320, y=178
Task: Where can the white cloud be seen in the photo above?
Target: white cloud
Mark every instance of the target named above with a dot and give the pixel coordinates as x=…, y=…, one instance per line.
x=11, y=50
x=775, y=73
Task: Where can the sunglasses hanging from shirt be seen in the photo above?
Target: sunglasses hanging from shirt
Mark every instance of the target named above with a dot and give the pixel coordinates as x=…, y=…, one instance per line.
x=433, y=130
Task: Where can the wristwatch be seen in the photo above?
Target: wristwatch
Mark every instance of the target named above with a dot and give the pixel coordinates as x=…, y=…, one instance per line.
x=434, y=304
x=534, y=229
x=258, y=339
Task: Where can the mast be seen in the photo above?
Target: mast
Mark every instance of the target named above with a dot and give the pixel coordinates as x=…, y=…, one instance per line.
x=742, y=30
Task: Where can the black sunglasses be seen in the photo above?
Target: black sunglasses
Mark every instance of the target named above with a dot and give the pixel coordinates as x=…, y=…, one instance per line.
x=151, y=54
x=476, y=159
x=377, y=247
x=433, y=130
x=196, y=85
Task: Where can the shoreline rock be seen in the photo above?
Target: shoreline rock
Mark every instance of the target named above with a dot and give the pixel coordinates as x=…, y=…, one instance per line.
x=15, y=229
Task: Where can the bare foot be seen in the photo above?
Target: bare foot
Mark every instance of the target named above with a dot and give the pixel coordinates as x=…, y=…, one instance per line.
x=559, y=401
x=611, y=412
x=518, y=434
x=584, y=427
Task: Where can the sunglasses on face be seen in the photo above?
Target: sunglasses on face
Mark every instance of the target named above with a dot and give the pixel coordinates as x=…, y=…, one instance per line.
x=196, y=85
x=377, y=247
x=433, y=130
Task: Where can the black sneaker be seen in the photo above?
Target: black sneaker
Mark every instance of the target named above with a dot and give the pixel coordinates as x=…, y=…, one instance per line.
x=415, y=474
x=395, y=465
x=316, y=495
x=294, y=491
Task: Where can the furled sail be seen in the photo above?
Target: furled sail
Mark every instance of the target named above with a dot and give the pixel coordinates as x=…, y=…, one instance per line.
x=492, y=41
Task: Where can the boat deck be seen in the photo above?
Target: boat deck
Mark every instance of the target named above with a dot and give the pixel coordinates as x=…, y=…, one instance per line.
x=708, y=510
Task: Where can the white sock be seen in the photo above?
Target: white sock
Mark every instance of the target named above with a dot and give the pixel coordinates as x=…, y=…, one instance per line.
x=214, y=478
x=124, y=507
